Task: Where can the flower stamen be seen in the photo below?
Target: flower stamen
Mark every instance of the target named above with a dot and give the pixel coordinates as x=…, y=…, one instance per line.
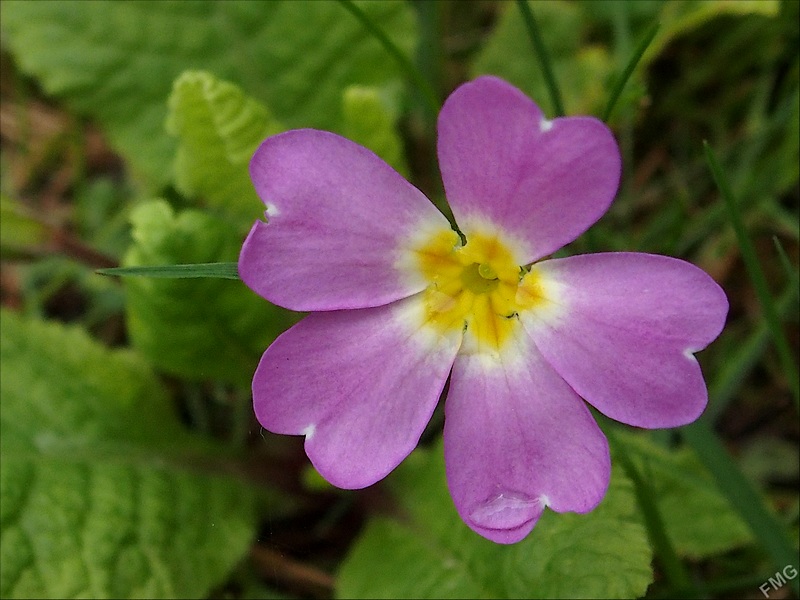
x=478, y=286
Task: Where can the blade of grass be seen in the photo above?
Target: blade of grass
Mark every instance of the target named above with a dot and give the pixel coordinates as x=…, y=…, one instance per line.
x=740, y=363
x=749, y=181
x=221, y=270
x=542, y=55
x=430, y=52
x=756, y=273
x=644, y=43
x=429, y=65
x=791, y=273
x=742, y=495
x=432, y=103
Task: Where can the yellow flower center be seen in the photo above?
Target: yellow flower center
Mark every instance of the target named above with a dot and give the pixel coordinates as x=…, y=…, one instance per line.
x=477, y=287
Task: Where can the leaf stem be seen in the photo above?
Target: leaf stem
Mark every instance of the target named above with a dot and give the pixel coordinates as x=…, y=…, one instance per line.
x=542, y=55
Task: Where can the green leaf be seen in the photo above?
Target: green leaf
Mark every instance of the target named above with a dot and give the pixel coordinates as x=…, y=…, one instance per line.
x=218, y=129
x=116, y=61
x=199, y=329
x=100, y=489
x=432, y=554
x=698, y=519
x=370, y=121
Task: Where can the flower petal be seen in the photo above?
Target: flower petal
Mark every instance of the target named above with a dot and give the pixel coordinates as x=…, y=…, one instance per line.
x=517, y=439
x=625, y=330
x=360, y=385
x=339, y=219
x=502, y=161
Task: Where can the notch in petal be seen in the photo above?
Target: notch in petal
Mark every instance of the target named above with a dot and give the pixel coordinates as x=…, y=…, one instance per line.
x=360, y=385
x=626, y=330
x=517, y=439
x=339, y=221
x=543, y=181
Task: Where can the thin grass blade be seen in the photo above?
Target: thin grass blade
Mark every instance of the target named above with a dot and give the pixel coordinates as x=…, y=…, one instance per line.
x=730, y=375
x=756, y=273
x=221, y=270
x=743, y=496
x=641, y=48
x=542, y=55
x=429, y=95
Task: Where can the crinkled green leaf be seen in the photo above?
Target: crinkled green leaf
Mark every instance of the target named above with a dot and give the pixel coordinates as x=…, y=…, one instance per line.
x=100, y=491
x=218, y=128
x=583, y=72
x=195, y=328
x=698, y=519
x=370, y=121
x=116, y=61
x=432, y=554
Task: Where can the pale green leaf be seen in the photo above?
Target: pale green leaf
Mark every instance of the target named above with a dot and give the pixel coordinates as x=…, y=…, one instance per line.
x=101, y=492
x=370, y=121
x=218, y=128
x=432, y=554
x=698, y=519
x=116, y=61
x=195, y=328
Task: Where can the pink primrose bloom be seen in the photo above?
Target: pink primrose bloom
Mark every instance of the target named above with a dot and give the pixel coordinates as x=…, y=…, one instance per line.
x=399, y=302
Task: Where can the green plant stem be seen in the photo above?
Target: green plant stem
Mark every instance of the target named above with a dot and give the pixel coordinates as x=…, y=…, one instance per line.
x=542, y=55
x=428, y=94
x=742, y=495
x=644, y=43
x=756, y=273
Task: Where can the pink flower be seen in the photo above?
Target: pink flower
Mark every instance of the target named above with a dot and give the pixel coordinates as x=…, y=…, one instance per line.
x=399, y=301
